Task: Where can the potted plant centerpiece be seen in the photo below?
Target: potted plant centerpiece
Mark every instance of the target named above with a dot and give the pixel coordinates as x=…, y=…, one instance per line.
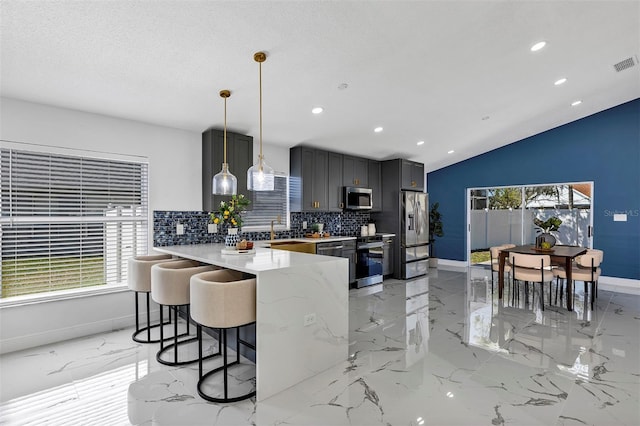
x=435, y=230
x=545, y=240
x=230, y=214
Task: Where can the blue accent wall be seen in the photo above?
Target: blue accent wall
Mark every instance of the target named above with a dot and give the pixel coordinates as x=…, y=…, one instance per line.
x=603, y=148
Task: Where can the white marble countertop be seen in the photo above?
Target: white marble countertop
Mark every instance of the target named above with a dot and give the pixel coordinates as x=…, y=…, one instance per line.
x=264, y=259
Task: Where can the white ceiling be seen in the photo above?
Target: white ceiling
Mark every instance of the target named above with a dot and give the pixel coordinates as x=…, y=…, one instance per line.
x=423, y=70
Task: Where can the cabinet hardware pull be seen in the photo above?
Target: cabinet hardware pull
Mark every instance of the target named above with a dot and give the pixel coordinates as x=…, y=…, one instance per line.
x=342, y=205
x=413, y=183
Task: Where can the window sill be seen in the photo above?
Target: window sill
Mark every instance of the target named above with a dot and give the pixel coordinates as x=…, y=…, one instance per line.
x=32, y=299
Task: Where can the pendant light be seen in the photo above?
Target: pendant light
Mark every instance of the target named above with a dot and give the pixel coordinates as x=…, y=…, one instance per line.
x=260, y=176
x=224, y=183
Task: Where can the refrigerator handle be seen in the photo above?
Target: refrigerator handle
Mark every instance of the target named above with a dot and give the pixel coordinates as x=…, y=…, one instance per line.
x=410, y=225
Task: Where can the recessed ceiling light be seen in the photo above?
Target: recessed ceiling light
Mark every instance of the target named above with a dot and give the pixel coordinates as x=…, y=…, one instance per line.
x=576, y=103
x=561, y=81
x=485, y=118
x=450, y=152
x=378, y=129
x=539, y=45
x=317, y=110
x=343, y=86
x=420, y=143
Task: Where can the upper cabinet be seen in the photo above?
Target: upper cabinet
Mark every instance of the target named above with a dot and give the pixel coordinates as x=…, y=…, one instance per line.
x=308, y=179
x=318, y=177
x=375, y=183
x=334, y=182
x=412, y=175
x=239, y=157
x=355, y=171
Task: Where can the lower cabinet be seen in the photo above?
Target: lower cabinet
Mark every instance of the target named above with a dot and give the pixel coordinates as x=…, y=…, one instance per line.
x=346, y=249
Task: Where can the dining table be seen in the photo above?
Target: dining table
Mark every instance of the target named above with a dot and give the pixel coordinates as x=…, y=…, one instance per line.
x=560, y=255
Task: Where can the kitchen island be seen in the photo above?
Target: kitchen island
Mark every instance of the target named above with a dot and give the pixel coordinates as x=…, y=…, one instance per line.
x=292, y=289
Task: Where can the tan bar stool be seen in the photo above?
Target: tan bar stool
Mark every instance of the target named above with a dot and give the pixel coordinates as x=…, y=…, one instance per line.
x=170, y=287
x=139, y=280
x=222, y=300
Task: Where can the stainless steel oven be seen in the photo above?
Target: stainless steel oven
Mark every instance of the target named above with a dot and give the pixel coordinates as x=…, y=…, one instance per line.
x=369, y=259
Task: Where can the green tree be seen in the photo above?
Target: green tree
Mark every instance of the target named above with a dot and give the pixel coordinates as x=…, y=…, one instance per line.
x=504, y=198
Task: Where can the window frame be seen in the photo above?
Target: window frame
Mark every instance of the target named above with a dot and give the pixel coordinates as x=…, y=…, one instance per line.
x=142, y=221
x=286, y=221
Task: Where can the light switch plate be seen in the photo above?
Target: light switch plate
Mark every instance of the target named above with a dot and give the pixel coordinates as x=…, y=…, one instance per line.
x=304, y=224
x=179, y=229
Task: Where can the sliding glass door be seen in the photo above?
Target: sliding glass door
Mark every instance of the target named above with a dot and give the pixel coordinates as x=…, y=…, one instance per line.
x=501, y=215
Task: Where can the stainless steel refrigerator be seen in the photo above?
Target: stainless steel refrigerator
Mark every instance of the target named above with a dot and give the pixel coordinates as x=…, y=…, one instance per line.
x=414, y=234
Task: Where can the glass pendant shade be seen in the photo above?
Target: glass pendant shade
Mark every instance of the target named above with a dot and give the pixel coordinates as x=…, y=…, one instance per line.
x=260, y=177
x=224, y=183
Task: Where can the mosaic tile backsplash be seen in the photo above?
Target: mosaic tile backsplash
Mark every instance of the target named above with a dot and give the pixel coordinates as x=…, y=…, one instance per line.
x=195, y=227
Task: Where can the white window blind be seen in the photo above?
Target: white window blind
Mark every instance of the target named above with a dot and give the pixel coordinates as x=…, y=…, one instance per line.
x=268, y=205
x=68, y=221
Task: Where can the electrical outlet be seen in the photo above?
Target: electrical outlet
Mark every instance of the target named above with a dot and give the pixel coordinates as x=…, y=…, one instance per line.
x=304, y=224
x=212, y=228
x=309, y=319
x=179, y=229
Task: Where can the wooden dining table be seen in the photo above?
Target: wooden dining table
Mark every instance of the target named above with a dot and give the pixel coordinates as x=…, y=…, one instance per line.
x=560, y=255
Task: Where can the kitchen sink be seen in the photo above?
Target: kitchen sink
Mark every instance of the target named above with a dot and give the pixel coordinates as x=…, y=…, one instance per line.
x=299, y=246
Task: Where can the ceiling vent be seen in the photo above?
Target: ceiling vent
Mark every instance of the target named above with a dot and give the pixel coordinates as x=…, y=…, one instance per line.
x=623, y=65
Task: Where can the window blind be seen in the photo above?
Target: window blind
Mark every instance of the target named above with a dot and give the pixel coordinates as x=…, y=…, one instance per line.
x=268, y=205
x=68, y=221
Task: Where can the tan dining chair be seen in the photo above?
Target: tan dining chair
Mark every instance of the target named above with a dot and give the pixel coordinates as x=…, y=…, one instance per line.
x=494, y=253
x=585, y=268
x=535, y=268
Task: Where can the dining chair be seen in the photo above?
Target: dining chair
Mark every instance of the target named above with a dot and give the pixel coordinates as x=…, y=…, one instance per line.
x=494, y=254
x=585, y=268
x=535, y=268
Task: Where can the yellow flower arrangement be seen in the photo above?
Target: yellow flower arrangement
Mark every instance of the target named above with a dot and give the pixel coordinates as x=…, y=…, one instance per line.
x=231, y=212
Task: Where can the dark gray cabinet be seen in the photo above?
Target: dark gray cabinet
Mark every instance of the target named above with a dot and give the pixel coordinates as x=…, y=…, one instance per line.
x=334, y=182
x=318, y=177
x=239, y=157
x=412, y=175
x=355, y=171
x=375, y=183
x=308, y=179
x=346, y=249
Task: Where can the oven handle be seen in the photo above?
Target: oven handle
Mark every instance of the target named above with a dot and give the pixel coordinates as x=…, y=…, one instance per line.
x=330, y=248
x=377, y=244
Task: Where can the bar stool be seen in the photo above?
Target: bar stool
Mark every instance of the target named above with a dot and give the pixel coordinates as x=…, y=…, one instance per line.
x=170, y=287
x=222, y=300
x=139, y=280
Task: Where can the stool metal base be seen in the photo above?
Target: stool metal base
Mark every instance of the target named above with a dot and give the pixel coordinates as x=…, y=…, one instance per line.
x=224, y=368
x=176, y=342
x=147, y=329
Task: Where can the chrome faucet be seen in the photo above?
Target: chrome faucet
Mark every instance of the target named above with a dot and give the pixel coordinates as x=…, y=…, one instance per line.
x=273, y=234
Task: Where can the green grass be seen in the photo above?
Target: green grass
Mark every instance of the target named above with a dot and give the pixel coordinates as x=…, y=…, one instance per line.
x=45, y=274
x=480, y=256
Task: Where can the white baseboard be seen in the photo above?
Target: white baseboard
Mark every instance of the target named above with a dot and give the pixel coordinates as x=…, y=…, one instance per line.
x=452, y=265
x=59, y=335
x=619, y=285
x=36, y=324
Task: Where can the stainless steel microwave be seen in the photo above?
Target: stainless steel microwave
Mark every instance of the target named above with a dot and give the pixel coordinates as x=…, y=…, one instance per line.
x=357, y=198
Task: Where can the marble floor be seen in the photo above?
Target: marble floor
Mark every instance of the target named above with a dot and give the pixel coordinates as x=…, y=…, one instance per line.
x=437, y=350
